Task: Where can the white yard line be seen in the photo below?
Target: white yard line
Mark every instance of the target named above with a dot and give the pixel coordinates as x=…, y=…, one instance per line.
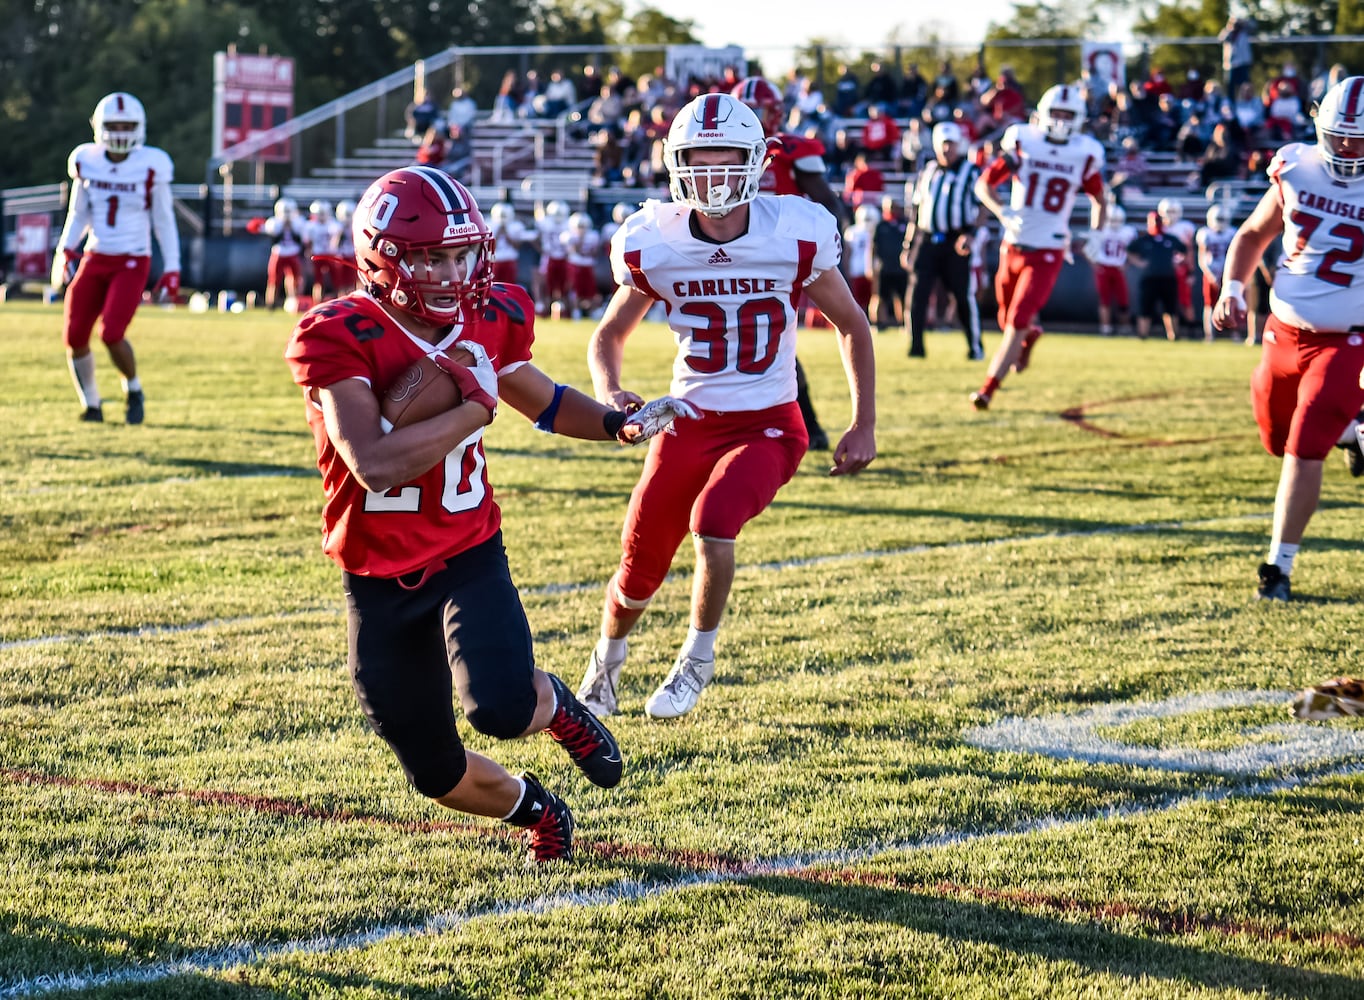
x=219, y=960
x=551, y=589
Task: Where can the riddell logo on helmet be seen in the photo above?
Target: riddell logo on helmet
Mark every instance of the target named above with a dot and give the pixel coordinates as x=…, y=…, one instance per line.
x=466, y=229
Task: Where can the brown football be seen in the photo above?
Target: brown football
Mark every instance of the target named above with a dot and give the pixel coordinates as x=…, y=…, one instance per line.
x=419, y=393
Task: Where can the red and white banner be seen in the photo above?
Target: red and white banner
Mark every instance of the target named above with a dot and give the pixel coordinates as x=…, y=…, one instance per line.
x=33, y=246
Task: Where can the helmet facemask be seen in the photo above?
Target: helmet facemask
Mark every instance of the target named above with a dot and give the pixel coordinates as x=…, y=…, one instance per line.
x=715, y=122
x=1340, y=130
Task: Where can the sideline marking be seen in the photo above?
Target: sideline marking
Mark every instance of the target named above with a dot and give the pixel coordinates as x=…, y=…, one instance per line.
x=554, y=589
x=1075, y=736
x=220, y=960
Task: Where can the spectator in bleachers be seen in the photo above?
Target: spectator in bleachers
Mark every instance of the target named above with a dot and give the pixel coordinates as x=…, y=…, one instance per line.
x=847, y=92
x=652, y=89
x=530, y=94
x=1139, y=111
x=913, y=93
x=589, y=82
x=1192, y=87
x=420, y=115
x=559, y=97
x=912, y=146
x=1156, y=85
x=809, y=106
x=1004, y=103
x=431, y=152
x=882, y=90
x=508, y=100
x=880, y=136
x=1323, y=82
x=1191, y=139
x=1237, y=56
x=946, y=93
x=1283, y=108
x=607, y=112
x=1130, y=171
x=1106, y=112
x=1221, y=160
x=979, y=81
x=1250, y=111
x=864, y=183
x=1164, y=124
x=608, y=166
x=462, y=112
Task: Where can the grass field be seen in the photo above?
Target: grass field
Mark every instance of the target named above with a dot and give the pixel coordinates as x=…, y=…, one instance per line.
x=997, y=718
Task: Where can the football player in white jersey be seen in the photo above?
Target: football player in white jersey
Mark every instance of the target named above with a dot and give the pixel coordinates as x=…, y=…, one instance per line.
x=861, y=259
x=1212, y=241
x=729, y=265
x=1106, y=249
x=318, y=231
x=120, y=198
x=510, y=232
x=1049, y=163
x=1306, y=389
x=551, y=275
x=582, y=244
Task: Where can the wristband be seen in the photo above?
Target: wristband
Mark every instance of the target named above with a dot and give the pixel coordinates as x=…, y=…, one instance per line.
x=1234, y=290
x=613, y=421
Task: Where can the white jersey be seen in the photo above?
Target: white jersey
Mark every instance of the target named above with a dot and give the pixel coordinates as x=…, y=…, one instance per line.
x=1107, y=247
x=978, y=244
x=509, y=235
x=1184, y=231
x=1047, y=176
x=857, y=245
x=286, y=233
x=1319, y=281
x=551, y=234
x=731, y=306
x=342, y=242
x=317, y=234
x=1212, y=245
x=582, y=249
x=121, y=205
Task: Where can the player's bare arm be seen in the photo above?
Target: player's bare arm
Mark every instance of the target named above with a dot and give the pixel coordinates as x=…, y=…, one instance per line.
x=381, y=461
x=1244, y=255
x=857, y=447
x=606, y=349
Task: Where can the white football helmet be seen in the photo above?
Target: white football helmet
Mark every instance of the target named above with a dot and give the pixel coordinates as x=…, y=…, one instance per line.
x=1117, y=217
x=1052, y=111
x=1217, y=218
x=1169, y=210
x=867, y=216
x=321, y=209
x=558, y=211
x=1340, y=130
x=123, y=109
x=285, y=209
x=715, y=121
x=502, y=213
x=622, y=211
x=580, y=222
x=344, y=210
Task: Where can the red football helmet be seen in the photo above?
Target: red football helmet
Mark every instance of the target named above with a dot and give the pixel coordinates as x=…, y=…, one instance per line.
x=415, y=210
x=765, y=100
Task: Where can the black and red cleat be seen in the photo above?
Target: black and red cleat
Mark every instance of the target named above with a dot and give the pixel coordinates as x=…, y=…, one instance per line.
x=587, y=741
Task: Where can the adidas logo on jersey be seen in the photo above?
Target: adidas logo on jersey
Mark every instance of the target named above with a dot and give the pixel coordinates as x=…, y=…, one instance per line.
x=719, y=257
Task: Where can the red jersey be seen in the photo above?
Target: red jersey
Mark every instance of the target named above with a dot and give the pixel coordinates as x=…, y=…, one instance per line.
x=787, y=155
x=450, y=507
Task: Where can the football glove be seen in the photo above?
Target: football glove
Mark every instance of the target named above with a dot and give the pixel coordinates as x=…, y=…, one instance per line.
x=467, y=378
x=655, y=418
x=1011, y=220
x=64, y=266
x=167, y=288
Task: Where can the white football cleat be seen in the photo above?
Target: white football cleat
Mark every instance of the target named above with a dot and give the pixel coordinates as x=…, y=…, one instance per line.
x=598, y=688
x=678, y=694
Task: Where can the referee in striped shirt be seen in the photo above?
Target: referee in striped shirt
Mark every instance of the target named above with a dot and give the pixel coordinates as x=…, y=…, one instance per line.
x=943, y=221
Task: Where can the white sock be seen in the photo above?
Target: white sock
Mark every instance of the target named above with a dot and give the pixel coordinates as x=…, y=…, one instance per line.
x=519, y=800
x=1282, y=555
x=1350, y=433
x=610, y=650
x=700, y=645
x=83, y=374
x=133, y=384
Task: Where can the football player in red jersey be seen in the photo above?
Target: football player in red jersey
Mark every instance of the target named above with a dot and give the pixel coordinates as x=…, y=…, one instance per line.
x=728, y=265
x=120, y=197
x=1306, y=389
x=409, y=513
x=795, y=165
